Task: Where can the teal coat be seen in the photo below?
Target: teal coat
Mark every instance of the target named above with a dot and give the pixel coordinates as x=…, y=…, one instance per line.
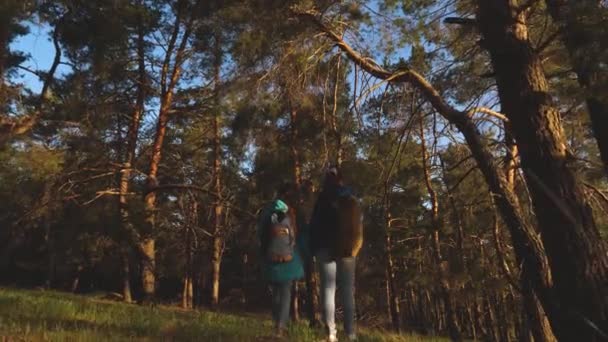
x=293, y=270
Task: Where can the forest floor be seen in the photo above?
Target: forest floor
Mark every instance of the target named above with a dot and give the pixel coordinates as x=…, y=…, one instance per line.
x=36, y=315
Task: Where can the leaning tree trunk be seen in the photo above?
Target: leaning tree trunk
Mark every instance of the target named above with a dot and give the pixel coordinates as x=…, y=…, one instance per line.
x=442, y=267
x=537, y=320
x=582, y=25
x=576, y=252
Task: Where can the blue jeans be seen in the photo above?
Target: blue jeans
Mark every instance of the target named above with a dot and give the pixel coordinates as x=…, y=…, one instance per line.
x=339, y=272
x=281, y=300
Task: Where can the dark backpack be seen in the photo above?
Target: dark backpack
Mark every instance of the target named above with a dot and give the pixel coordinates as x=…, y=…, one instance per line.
x=280, y=237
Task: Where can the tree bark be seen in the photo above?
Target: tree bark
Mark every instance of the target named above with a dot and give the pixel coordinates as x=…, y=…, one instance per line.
x=582, y=27
x=392, y=292
x=126, y=275
x=535, y=315
x=537, y=320
x=576, y=252
x=125, y=176
x=216, y=253
x=48, y=234
x=295, y=153
x=297, y=179
x=334, y=118
x=191, y=223
x=312, y=292
x=168, y=82
x=510, y=158
x=4, y=33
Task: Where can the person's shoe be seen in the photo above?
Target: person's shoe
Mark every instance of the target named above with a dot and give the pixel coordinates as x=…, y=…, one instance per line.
x=332, y=338
x=279, y=333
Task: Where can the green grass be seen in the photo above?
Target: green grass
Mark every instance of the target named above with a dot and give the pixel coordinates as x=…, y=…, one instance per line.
x=54, y=316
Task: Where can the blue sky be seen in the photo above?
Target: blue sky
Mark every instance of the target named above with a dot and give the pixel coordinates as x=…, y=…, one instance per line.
x=41, y=50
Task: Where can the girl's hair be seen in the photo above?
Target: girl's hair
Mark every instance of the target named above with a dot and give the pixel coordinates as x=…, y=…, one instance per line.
x=333, y=176
x=287, y=192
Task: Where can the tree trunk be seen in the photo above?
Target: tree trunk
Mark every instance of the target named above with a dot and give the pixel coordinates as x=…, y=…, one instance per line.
x=191, y=223
x=297, y=179
x=168, y=82
x=147, y=244
x=245, y=277
x=126, y=275
x=334, y=117
x=187, y=292
x=76, y=280
x=125, y=176
x=312, y=298
x=305, y=211
x=295, y=302
x=48, y=234
x=536, y=318
x=582, y=26
x=216, y=254
x=471, y=320
x=392, y=292
x=442, y=266
x=4, y=32
x=576, y=252
x=510, y=158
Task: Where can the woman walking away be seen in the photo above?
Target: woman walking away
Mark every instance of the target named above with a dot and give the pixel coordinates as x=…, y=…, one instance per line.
x=281, y=259
x=336, y=238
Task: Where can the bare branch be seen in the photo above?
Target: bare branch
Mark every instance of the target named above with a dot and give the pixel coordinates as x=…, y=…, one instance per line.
x=597, y=192
x=168, y=187
x=11, y=127
x=404, y=75
x=487, y=111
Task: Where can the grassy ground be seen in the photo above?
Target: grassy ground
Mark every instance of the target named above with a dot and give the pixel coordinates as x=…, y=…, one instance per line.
x=52, y=316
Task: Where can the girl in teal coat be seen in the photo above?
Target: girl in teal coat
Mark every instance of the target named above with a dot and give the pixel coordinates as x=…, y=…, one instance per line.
x=282, y=275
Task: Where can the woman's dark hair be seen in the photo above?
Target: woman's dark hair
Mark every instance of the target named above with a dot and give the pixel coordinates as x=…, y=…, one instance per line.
x=286, y=191
x=333, y=177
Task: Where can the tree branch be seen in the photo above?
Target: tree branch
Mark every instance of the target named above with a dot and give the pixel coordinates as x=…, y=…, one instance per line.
x=405, y=75
x=488, y=111
x=11, y=127
x=168, y=187
x=460, y=21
